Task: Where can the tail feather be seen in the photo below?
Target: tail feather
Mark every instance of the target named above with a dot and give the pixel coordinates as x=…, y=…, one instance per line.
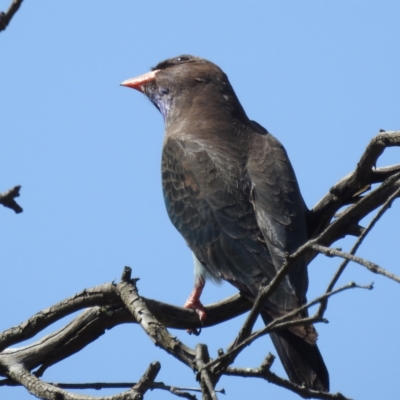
x=302, y=361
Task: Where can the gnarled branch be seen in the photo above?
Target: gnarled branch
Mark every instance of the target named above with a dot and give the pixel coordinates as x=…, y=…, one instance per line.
x=106, y=306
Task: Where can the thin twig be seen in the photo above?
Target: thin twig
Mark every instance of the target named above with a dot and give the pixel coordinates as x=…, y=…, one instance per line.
x=375, y=268
x=5, y=17
x=282, y=323
x=361, y=238
x=176, y=390
x=264, y=293
x=46, y=391
x=265, y=373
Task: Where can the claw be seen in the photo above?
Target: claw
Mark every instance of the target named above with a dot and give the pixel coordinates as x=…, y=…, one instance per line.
x=195, y=304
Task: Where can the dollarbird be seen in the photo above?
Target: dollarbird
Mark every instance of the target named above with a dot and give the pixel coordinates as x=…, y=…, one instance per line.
x=231, y=191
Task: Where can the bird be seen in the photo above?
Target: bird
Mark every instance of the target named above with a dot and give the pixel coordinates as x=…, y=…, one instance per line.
x=230, y=190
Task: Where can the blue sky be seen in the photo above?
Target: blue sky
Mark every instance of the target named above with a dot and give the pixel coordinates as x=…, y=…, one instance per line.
x=322, y=76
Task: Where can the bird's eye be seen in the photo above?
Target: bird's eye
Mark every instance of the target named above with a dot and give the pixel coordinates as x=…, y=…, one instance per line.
x=183, y=58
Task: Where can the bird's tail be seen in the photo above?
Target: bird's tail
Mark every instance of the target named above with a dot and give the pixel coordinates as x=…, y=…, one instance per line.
x=302, y=361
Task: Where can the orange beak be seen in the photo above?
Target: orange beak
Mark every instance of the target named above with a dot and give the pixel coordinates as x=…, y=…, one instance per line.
x=138, y=82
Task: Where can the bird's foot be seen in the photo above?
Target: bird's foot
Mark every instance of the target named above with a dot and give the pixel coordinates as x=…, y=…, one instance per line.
x=195, y=304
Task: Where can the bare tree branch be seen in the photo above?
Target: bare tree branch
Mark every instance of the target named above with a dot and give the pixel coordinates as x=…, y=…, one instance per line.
x=98, y=295
x=47, y=391
x=376, y=269
x=7, y=198
x=362, y=236
x=107, y=315
x=157, y=333
x=5, y=17
x=381, y=174
x=177, y=391
x=264, y=372
x=109, y=305
x=80, y=332
x=362, y=177
x=146, y=381
x=280, y=323
x=207, y=382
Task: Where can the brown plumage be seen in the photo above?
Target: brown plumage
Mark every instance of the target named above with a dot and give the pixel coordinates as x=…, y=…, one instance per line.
x=230, y=190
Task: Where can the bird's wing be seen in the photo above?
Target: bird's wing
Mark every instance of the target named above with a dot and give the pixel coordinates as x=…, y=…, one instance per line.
x=279, y=207
x=207, y=194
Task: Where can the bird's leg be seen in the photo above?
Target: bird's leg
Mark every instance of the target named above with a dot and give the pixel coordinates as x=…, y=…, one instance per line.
x=194, y=302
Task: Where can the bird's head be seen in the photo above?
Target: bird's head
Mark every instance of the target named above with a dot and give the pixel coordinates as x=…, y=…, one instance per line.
x=186, y=82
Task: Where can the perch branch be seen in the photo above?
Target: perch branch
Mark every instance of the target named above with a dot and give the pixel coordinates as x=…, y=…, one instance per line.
x=93, y=323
